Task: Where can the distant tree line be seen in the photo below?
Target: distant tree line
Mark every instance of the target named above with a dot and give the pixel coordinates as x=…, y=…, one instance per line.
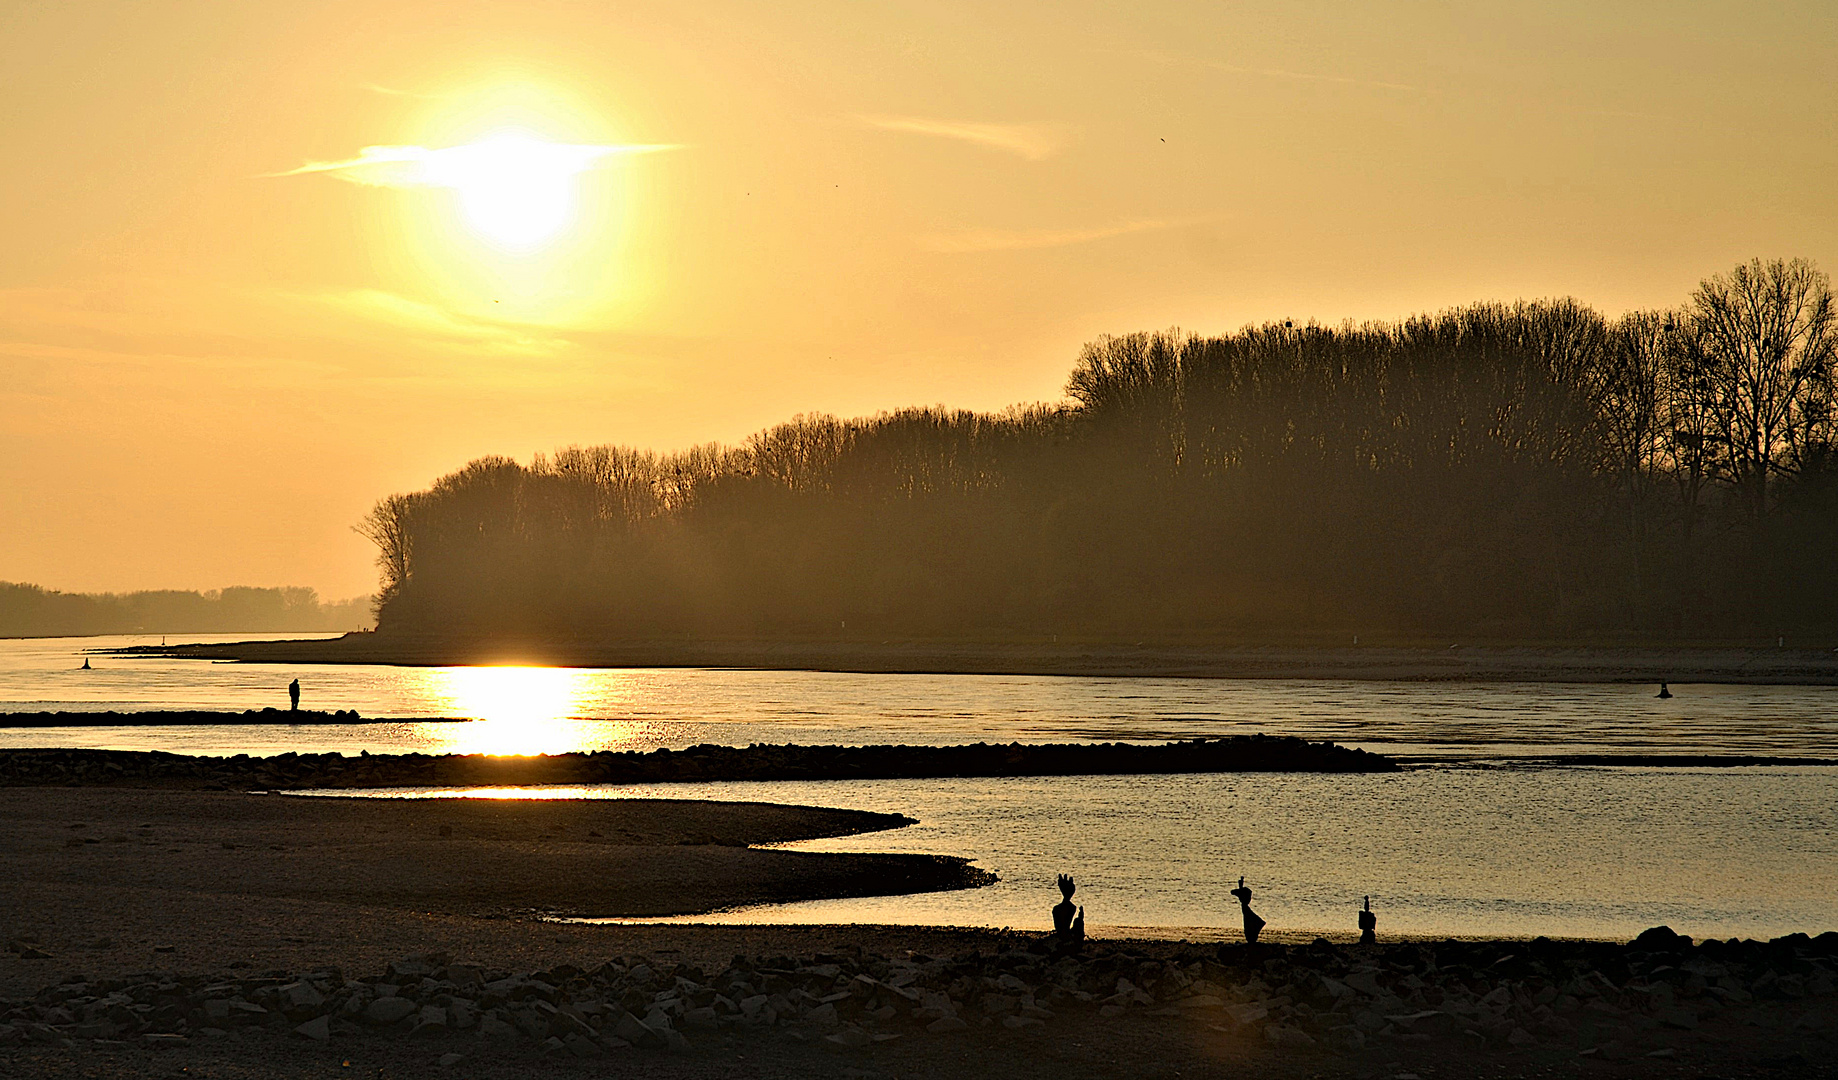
x=1530, y=471
x=31, y=611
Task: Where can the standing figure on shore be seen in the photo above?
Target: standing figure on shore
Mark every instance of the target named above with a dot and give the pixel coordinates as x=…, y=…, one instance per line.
x=85, y=664
x=1368, y=924
x=1068, y=918
x=1253, y=923
x=1664, y=691
x=293, y=695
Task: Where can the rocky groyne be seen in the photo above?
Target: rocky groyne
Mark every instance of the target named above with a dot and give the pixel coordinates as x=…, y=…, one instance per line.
x=1658, y=997
x=1254, y=753
x=172, y=717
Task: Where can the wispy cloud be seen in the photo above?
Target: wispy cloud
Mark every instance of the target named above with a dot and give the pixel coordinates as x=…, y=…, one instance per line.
x=1031, y=141
x=974, y=240
x=452, y=166
x=429, y=320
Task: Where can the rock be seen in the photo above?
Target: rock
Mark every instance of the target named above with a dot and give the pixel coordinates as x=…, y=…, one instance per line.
x=431, y=1020
x=950, y=1023
x=300, y=995
x=633, y=1030
x=1246, y=1014
x=1676, y=1017
x=553, y=1047
x=449, y=1059
x=1366, y=982
x=1347, y=1037
x=388, y=1010
x=823, y=1016
x=1284, y=1035
x=490, y=1027
x=318, y=1029
x=580, y=1045
x=1017, y=1022
x=1427, y=1022
x=849, y=1037
x=1518, y=1036
x=1661, y=939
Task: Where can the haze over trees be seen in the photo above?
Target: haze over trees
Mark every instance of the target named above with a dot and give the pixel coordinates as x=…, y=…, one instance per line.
x=31, y=611
x=1527, y=470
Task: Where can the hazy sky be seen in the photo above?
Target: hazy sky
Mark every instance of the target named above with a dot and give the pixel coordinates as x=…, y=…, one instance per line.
x=209, y=370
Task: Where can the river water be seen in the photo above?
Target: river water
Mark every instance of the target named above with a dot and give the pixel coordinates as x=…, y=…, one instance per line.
x=1483, y=838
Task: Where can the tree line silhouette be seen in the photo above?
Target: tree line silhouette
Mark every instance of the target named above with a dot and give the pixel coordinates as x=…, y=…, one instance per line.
x=32, y=611
x=1514, y=471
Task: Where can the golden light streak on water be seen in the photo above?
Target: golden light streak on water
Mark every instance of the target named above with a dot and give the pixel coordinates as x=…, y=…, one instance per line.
x=517, y=709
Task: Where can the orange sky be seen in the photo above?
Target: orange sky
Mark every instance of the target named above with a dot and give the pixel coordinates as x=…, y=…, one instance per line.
x=208, y=371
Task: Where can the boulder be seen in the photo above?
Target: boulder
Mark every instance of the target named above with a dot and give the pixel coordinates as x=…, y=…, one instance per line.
x=1661, y=939
x=318, y=1029
x=491, y=1027
x=633, y=1030
x=388, y=1010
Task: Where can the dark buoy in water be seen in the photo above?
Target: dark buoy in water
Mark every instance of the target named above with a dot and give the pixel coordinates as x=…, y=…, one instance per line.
x=85, y=666
x=1663, y=692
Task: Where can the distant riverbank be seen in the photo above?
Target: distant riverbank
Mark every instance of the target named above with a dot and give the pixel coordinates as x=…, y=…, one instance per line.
x=1453, y=663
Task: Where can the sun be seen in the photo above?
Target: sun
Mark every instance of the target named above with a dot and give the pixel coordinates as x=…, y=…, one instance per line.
x=514, y=189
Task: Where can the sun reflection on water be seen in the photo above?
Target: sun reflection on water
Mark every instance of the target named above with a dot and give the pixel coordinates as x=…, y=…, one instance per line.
x=516, y=710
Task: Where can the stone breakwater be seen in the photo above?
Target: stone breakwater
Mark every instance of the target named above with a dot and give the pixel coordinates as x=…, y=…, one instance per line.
x=1254, y=753
x=1657, y=997
x=172, y=717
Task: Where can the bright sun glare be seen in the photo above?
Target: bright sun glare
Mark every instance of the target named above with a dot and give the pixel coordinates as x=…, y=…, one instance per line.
x=517, y=710
x=514, y=189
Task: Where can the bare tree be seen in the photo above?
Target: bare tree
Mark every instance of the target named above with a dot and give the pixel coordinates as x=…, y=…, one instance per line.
x=391, y=527
x=1761, y=345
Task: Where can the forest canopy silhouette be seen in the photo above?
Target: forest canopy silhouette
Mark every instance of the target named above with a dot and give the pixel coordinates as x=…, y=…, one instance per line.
x=1508, y=471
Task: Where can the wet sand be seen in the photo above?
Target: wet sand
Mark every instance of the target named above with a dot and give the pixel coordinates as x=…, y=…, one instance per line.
x=104, y=877
x=1456, y=661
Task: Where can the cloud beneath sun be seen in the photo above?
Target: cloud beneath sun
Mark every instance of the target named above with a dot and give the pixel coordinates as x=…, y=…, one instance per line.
x=1031, y=141
x=457, y=166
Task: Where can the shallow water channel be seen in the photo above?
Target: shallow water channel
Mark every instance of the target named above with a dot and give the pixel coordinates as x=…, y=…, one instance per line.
x=1485, y=839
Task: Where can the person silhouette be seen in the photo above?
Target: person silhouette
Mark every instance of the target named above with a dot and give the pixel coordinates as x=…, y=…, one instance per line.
x=1664, y=692
x=293, y=695
x=85, y=666
x=1068, y=918
x=1253, y=924
x=1368, y=924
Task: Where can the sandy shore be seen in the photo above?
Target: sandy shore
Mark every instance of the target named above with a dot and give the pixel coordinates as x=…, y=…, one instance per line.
x=1454, y=662
x=105, y=876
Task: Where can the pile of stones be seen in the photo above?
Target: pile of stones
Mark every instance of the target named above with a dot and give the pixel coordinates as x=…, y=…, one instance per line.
x=1601, y=999
x=1238, y=753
